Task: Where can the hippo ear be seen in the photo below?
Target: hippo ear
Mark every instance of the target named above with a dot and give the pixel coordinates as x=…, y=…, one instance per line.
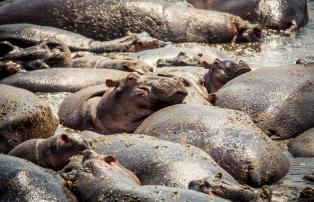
x=217, y=61
x=112, y=83
x=65, y=138
x=204, y=64
x=109, y=159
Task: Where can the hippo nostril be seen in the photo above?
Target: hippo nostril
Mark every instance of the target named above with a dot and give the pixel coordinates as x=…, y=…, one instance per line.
x=109, y=159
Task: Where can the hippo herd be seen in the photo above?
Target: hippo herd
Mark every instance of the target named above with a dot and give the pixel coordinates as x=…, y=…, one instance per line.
x=145, y=118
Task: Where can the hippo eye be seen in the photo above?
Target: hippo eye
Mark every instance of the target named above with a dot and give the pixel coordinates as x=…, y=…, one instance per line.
x=202, y=81
x=81, y=146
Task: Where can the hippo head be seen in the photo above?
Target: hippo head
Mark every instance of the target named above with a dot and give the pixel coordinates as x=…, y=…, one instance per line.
x=64, y=147
x=129, y=65
x=245, y=34
x=129, y=101
x=220, y=72
x=8, y=68
x=283, y=15
x=7, y=48
x=59, y=55
x=145, y=42
x=102, y=167
x=182, y=59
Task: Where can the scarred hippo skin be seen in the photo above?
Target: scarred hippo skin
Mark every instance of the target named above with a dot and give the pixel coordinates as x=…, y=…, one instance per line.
x=54, y=152
x=22, y=117
x=302, y=145
x=196, y=55
x=221, y=72
x=62, y=79
x=107, y=20
x=28, y=34
x=115, y=183
x=278, y=99
x=21, y=180
x=123, y=106
x=229, y=136
x=101, y=62
x=275, y=14
x=158, y=162
x=42, y=56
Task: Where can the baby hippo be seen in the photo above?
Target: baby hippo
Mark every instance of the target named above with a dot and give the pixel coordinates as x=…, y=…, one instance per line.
x=123, y=106
x=54, y=152
x=220, y=72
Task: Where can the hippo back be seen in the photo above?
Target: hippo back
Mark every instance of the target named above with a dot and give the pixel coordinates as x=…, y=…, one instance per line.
x=279, y=99
x=23, y=181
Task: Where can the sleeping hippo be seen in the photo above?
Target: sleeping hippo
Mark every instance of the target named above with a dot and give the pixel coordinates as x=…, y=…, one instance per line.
x=278, y=99
x=101, y=62
x=28, y=34
x=229, y=136
x=21, y=180
x=116, y=183
x=199, y=55
x=42, y=56
x=302, y=145
x=221, y=72
x=62, y=79
x=22, y=117
x=107, y=20
x=54, y=152
x=158, y=162
x=275, y=14
x=123, y=106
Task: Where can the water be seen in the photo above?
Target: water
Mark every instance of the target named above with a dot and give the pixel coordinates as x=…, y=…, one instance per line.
x=277, y=50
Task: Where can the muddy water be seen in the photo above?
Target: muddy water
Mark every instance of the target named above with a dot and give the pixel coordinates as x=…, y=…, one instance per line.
x=274, y=51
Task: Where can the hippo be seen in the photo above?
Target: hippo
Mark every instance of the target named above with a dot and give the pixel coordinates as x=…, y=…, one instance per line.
x=278, y=99
x=21, y=180
x=22, y=117
x=123, y=106
x=194, y=84
x=306, y=195
x=230, y=191
x=221, y=72
x=157, y=162
x=276, y=14
x=61, y=79
x=199, y=55
x=302, y=145
x=28, y=34
x=107, y=20
x=53, y=152
x=229, y=136
x=101, y=62
x=42, y=56
x=115, y=183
